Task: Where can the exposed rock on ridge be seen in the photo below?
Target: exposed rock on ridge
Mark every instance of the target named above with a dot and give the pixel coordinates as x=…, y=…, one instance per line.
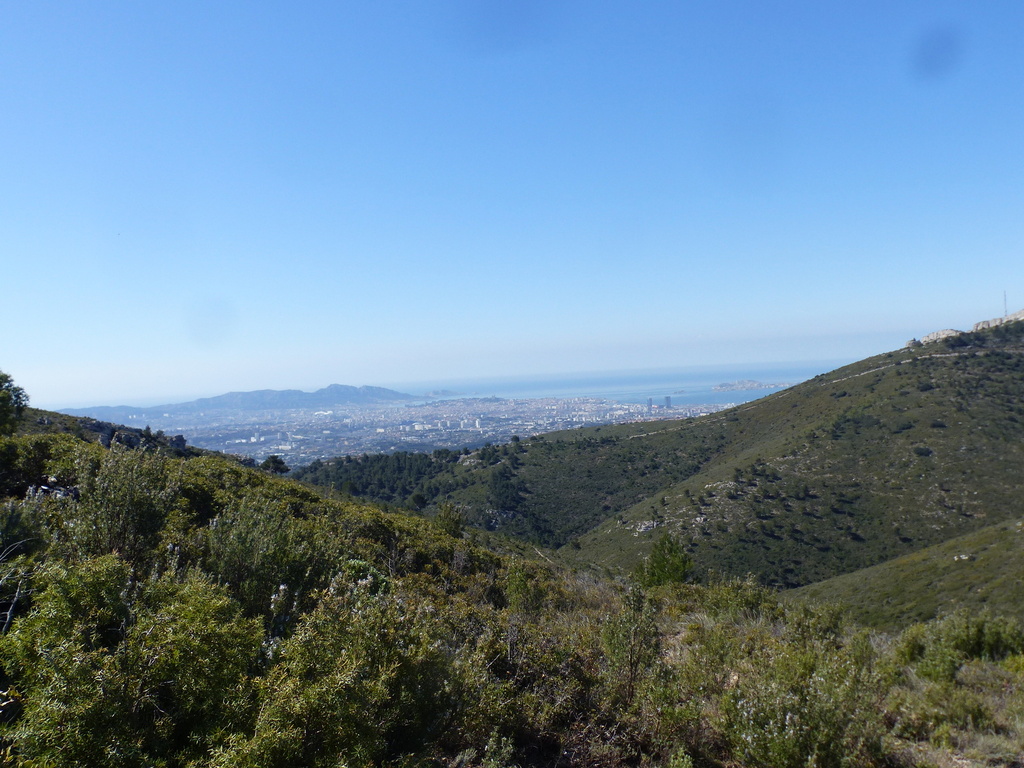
x=980, y=326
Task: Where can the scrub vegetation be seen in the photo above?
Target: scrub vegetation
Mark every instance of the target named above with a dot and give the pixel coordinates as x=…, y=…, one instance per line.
x=161, y=606
x=170, y=610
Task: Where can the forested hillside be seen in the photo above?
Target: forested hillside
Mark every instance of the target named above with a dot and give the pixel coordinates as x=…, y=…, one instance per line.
x=548, y=489
x=166, y=609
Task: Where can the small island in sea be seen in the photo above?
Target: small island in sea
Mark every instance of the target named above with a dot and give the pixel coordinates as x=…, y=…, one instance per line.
x=444, y=393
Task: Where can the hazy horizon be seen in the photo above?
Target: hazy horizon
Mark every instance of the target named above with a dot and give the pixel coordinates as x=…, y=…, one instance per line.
x=198, y=199
x=522, y=385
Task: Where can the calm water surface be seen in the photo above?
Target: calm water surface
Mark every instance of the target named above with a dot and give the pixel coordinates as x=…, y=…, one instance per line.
x=692, y=386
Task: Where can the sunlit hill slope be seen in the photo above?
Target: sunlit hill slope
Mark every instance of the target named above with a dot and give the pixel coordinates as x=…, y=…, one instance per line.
x=870, y=462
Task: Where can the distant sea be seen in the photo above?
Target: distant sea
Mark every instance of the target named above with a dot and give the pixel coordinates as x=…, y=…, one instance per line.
x=691, y=386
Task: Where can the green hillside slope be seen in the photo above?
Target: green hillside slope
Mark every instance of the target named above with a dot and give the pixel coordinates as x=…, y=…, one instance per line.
x=980, y=569
x=171, y=609
x=548, y=489
x=872, y=461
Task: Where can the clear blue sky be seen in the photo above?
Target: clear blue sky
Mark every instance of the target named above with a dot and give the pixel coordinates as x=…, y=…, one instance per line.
x=200, y=197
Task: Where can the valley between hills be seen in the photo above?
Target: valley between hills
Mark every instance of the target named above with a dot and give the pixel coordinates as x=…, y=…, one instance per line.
x=828, y=576
x=871, y=462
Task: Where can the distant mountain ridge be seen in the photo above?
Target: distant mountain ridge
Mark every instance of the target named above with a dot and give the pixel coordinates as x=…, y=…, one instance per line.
x=258, y=400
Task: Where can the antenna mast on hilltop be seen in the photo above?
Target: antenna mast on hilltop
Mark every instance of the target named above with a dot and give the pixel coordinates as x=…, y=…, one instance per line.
x=1005, y=310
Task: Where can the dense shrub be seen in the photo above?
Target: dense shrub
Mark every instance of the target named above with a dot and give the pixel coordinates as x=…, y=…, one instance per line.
x=114, y=672
x=805, y=704
x=939, y=648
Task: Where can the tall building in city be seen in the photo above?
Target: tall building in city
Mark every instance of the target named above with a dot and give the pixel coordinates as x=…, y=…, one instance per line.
x=668, y=401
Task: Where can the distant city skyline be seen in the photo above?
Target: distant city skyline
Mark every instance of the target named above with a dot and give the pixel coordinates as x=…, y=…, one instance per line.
x=303, y=427
x=197, y=199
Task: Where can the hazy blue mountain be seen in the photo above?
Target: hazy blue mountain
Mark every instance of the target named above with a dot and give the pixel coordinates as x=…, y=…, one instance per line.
x=259, y=400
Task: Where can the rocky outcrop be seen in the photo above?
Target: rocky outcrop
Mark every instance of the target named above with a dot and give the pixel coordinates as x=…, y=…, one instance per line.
x=940, y=335
x=984, y=324
x=998, y=321
x=108, y=433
